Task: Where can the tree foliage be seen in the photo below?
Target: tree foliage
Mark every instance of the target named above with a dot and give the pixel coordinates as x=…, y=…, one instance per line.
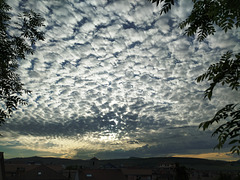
x=226, y=72
x=205, y=16
x=16, y=40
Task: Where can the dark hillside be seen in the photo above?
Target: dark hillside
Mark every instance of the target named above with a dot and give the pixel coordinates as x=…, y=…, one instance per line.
x=195, y=163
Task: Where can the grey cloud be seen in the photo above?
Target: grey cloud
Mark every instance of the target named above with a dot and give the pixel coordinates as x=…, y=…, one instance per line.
x=118, y=67
x=159, y=150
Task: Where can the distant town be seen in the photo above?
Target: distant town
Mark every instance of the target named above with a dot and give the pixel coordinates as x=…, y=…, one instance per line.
x=162, y=168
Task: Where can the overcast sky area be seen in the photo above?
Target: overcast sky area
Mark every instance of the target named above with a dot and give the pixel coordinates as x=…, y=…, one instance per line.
x=114, y=79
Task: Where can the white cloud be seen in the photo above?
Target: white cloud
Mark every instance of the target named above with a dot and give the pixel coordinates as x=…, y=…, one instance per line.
x=116, y=72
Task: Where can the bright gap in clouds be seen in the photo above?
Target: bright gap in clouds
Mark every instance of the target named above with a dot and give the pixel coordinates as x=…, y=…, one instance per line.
x=212, y=156
x=115, y=79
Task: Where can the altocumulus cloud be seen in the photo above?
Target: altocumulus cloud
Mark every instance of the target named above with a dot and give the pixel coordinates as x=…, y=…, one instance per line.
x=115, y=79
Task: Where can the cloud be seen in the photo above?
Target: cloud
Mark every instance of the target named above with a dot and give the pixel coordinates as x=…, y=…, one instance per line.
x=225, y=156
x=116, y=74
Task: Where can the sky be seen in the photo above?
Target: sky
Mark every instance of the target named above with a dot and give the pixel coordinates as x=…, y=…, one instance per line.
x=114, y=79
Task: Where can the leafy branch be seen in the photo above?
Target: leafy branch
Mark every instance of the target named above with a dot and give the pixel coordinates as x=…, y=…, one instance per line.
x=229, y=130
x=227, y=71
x=205, y=16
x=13, y=48
x=165, y=7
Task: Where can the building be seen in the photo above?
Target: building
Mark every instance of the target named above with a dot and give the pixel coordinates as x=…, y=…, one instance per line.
x=32, y=172
x=137, y=174
x=100, y=174
x=94, y=162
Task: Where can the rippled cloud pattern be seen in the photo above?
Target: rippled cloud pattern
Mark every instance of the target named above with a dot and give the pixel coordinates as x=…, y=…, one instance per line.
x=115, y=79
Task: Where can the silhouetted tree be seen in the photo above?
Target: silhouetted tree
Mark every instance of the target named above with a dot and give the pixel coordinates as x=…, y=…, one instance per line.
x=16, y=40
x=205, y=16
x=181, y=173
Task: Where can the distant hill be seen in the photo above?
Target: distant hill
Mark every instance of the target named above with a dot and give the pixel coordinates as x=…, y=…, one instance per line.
x=41, y=160
x=195, y=163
